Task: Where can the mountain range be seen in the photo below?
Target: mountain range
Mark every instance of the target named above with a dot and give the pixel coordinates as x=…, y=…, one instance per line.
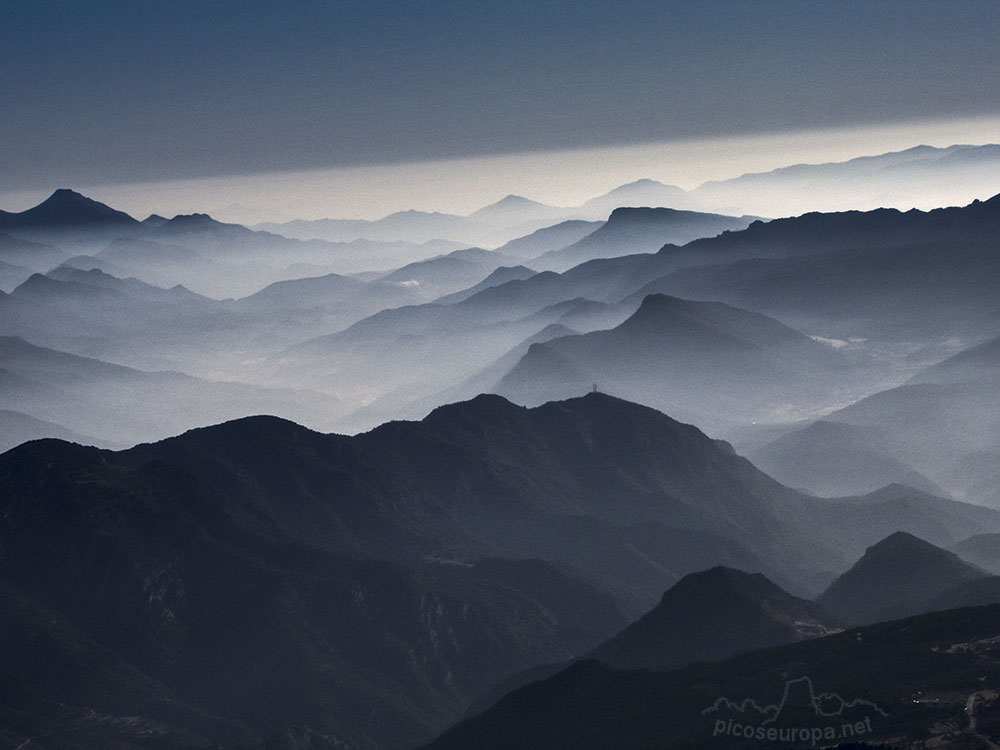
x=679, y=356
x=900, y=576
x=638, y=230
x=710, y=616
x=350, y=491
x=868, y=279
x=920, y=176
x=899, y=683
x=272, y=579
x=835, y=459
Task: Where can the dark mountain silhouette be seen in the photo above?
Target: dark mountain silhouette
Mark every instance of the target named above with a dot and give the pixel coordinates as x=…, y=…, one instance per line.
x=703, y=361
x=835, y=459
x=276, y=579
x=195, y=598
x=707, y=615
x=540, y=463
x=56, y=675
x=713, y=614
x=66, y=209
x=629, y=231
x=875, y=274
x=900, y=576
x=891, y=677
x=539, y=489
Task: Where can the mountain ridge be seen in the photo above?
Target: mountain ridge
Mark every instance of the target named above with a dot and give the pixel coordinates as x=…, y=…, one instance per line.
x=897, y=577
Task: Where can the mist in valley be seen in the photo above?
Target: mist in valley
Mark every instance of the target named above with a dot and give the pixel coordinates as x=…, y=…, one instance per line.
x=579, y=375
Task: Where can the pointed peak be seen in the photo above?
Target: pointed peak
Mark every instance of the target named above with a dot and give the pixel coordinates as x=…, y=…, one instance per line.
x=510, y=203
x=515, y=200
x=67, y=197
x=65, y=194
x=67, y=207
x=901, y=540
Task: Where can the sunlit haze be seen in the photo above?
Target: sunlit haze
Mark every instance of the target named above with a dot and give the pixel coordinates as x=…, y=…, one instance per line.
x=449, y=374
x=561, y=178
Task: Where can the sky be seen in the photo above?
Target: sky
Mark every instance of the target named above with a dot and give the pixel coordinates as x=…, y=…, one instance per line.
x=310, y=108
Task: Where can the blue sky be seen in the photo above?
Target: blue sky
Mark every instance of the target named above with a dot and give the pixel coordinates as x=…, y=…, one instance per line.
x=111, y=92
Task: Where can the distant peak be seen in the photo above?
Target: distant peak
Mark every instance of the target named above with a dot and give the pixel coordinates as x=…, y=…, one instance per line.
x=68, y=207
x=900, y=540
x=65, y=193
x=67, y=197
x=644, y=182
x=509, y=202
x=192, y=221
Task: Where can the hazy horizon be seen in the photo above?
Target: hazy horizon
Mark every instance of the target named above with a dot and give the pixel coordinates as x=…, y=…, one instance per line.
x=343, y=485
x=449, y=106
x=566, y=177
